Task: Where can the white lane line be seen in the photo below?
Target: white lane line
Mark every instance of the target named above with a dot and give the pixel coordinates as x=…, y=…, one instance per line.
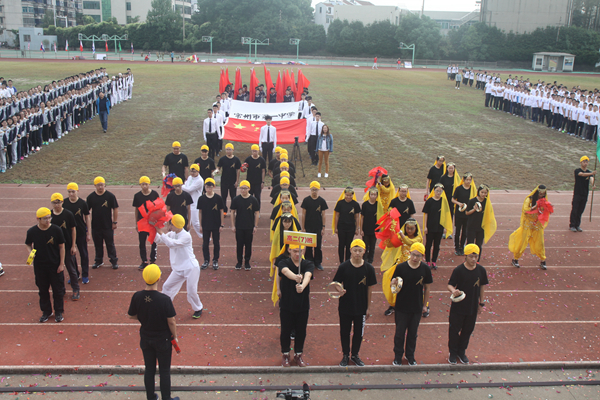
x=507, y=266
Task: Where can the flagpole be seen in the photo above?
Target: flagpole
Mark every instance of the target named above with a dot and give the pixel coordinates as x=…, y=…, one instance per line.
x=592, y=201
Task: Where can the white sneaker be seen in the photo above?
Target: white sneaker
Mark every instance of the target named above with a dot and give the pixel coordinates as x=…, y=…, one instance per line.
x=326, y=175
x=319, y=175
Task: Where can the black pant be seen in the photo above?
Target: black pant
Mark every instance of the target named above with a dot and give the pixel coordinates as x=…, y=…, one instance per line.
x=370, y=241
x=317, y=258
x=591, y=132
x=212, y=141
x=255, y=190
x=346, y=322
x=578, y=207
x=406, y=324
x=71, y=267
x=81, y=242
x=433, y=238
x=227, y=190
x=267, y=151
x=459, y=332
x=476, y=236
x=243, y=238
x=153, y=350
x=46, y=133
x=345, y=239
x=46, y=277
x=108, y=237
x=460, y=232
x=296, y=321
x=312, y=148
x=216, y=237
x=143, y=255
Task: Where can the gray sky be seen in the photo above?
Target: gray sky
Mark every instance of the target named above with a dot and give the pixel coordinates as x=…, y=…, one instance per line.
x=430, y=5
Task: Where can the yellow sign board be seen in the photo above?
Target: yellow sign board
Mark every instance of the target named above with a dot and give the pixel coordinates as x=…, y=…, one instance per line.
x=301, y=238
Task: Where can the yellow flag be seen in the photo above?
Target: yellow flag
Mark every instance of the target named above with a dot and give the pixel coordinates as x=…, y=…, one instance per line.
x=445, y=216
x=489, y=220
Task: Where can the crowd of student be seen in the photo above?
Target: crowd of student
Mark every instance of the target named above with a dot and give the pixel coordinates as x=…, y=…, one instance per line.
x=33, y=118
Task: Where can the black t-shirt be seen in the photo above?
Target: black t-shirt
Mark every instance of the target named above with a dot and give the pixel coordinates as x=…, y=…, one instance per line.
x=140, y=199
x=290, y=299
x=245, y=209
x=369, y=214
x=47, y=245
x=211, y=211
x=277, y=188
x=434, y=175
x=313, y=209
x=255, y=169
x=462, y=195
x=65, y=221
x=410, y=298
x=448, y=183
x=79, y=210
x=406, y=208
x=178, y=203
x=433, y=208
x=356, y=281
x=101, y=207
x=206, y=167
x=347, y=210
x=152, y=309
x=274, y=163
x=176, y=164
x=469, y=282
x=582, y=183
x=229, y=168
x=474, y=220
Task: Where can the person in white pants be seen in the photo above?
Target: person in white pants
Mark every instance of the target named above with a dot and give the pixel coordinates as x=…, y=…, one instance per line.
x=194, y=185
x=184, y=266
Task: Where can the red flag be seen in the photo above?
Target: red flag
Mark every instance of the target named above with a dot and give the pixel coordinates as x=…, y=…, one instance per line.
x=268, y=80
x=241, y=130
x=106, y=45
x=80, y=46
x=286, y=80
x=238, y=83
x=253, y=85
x=306, y=81
x=294, y=89
x=300, y=88
x=279, y=88
x=222, y=82
x=227, y=81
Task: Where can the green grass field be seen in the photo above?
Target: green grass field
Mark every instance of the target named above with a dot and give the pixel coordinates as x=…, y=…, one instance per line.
x=400, y=120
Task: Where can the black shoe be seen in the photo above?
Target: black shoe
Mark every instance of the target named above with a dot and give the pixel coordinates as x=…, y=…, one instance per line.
x=45, y=317
x=389, y=311
x=515, y=263
x=215, y=264
x=397, y=363
x=579, y=229
x=172, y=398
x=75, y=296
x=426, y=313
x=238, y=266
x=463, y=359
x=1, y=271
x=344, y=362
x=204, y=265
x=356, y=360
x=573, y=229
x=543, y=265
x=197, y=314
x=97, y=265
x=115, y=266
x=319, y=267
x=143, y=265
x=247, y=267
x=59, y=317
x=412, y=362
x=452, y=359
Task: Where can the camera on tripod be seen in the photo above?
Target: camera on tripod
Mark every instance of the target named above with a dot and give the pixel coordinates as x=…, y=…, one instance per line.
x=295, y=140
x=290, y=394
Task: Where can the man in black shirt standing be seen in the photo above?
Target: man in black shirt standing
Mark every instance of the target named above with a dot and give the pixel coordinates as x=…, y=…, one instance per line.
x=48, y=264
x=434, y=175
x=244, y=222
x=255, y=174
x=583, y=178
x=416, y=278
x=177, y=162
x=368, y=223
x=66, y=221
x=207, y=164
x=460, y=198
x=156, y=314
x=140, y=199
x=210, y=206
x=474, y=212
x=403, y=204
x=179, y=202
x=346, y=218
x=229, y=167
x=313, y=221
x=469, y=278
x=83, y=228
x=357, y=278
x=105, y=212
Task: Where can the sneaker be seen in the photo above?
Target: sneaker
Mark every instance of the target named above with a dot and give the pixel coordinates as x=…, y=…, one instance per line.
x=97, y=265
x=1, y=271
x=543, y=265
x=326, y=175
x=238, y=266
x=463, y=359
x=215, y=264
x=285, y=360
x=319, y=175
x=389, y=311
x=59, y=317
x=75, y=296
x=143, y=265
x=429, y=264
x=573, y=229
x=115, y=266
x=299, y=361
x=45, y=317
x=433, y=266
x=247, y=267
x=515, y=263
x=204, y=265
x=579, y=229
x=344, y=362
x=397, y=363
x=319, y=267
x=426, y=313
x=412, y=362
x=449, y=237
x=452, y=359
x=85, y=280
x=357, y=361
x=197, y=314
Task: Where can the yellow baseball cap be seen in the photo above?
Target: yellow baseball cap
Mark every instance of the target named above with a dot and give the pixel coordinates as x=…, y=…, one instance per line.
x=176, y=144
x=98, y=180
x=245, y=183
x=278, y=149
x=151, y=274
x=177, y=181
x=178, y=221
x=284, y=181
x=255, y=147
x=209, y=180
x=144, y=179
x=315, y=184
x=204, y=148
x=284, y=164
x=72, y=186
x=418, y=247
x=584, y=158
x=42, y=212
x=359, y=243
x=56, y=196
x=285, y=174
x=195, y=166
x=229, y=146
x=471, y=248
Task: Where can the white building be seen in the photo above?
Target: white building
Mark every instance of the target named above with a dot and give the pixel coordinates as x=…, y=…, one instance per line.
x=125, y=11
x=30, y=13
x=356, y=10
x=450, y=20
x=521, y=16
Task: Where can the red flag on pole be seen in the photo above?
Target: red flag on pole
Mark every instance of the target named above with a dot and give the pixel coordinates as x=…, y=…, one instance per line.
x=294, y=90
x=238, y=83
x=106, y=45
x=253, y=85
x=300, y=88
x=268, y=80
x=286, y=80
x=227, y=81
x=279, y=88
x=222, y=82
x=80, y=46
x=306, y=83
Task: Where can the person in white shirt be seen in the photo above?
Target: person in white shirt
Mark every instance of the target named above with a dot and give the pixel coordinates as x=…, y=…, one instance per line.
x=592, y=122
x=581, y=114
x=184, y=266
x=194, y=185
x=210, y=130
x=311, y=137
x=302, y=106
x=449, y=71
x=267, y=139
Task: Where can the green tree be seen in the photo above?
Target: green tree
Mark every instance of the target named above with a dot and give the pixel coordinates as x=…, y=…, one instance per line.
x=48, y=19
x=423, y=32
x=163, y=25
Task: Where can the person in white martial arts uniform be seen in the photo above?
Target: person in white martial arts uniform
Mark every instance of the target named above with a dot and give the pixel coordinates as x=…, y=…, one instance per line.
x=184, y=266
x=194, y=185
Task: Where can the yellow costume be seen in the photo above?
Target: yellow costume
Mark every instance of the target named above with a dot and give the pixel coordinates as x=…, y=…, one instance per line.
x=530, y=232
x=445, y=216
x=386, y=194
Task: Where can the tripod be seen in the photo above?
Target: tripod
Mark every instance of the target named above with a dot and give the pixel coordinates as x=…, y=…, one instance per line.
x=296, y=155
